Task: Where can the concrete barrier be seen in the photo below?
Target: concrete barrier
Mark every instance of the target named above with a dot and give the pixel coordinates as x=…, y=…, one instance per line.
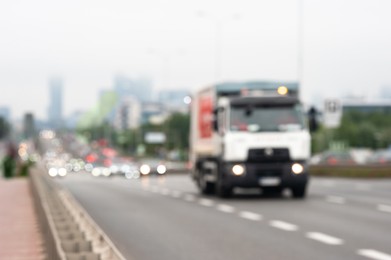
x=69, y=232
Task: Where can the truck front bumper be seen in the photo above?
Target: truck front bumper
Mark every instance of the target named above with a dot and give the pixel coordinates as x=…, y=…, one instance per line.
x=264, y=175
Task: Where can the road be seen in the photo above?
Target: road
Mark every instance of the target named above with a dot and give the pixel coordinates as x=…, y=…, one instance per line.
x=166, y=218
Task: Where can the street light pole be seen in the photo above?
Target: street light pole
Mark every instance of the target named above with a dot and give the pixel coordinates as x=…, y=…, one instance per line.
x=218, y=50
x=218, y=43
x=300, y=42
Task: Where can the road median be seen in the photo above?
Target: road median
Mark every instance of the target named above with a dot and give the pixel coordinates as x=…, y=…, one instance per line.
x=351, y=171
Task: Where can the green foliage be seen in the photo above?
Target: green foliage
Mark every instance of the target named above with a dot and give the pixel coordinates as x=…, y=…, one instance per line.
x=9, y=165
x=357, y=129
x=365, y=129
x=4, y=128
x=177, y=129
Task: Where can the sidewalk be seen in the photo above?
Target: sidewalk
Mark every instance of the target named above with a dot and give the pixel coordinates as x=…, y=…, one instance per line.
x=20, y=237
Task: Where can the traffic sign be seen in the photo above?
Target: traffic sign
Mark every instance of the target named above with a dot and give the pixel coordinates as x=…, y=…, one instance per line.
x=332, y=113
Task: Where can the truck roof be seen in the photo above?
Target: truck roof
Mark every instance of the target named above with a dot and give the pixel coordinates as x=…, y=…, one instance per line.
x=233, y=88
x=264, y=101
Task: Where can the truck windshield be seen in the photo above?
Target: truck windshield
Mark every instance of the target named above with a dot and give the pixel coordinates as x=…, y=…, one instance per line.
x=266, y=118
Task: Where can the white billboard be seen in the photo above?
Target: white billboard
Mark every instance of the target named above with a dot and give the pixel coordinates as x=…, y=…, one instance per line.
x=155, y=138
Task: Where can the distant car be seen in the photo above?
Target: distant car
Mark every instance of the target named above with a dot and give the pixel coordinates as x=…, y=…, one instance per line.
x=131, y=171
x=127, y=168
x=381, y=157
x=152, y=167
x=57, y=171
x=100, y=170
x=336, y=158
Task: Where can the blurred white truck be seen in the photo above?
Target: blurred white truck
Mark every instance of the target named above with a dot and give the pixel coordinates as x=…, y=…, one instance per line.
x=249, y=134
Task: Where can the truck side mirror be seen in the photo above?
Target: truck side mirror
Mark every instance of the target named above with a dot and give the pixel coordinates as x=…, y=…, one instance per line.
x=215, y=123
x=313, y=120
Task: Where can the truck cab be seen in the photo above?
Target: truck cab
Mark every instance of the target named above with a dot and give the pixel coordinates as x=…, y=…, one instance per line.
x=258, y=139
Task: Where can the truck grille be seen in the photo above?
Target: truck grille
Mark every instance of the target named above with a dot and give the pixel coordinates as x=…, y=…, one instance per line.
x=268, y=155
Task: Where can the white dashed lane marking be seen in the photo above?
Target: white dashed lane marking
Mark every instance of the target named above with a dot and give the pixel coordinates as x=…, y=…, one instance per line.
x=155, y=189
x=330, y=240
x=165, y=192
x=250, y=215
x=363, y=187
x=384, y=208
x=176, y=194
x=189, y=198
x=336, y=199
x=225, y=208
x=374, y=254
x=283, y=225
x=206, y=202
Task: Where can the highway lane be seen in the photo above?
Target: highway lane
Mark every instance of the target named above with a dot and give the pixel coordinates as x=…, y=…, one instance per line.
x=166, y=218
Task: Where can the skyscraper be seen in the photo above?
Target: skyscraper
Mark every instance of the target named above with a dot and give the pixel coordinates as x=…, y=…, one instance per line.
x=55, y=103
x=139, y=88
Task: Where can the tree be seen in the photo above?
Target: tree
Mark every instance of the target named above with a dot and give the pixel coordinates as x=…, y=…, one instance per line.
x=4, y=128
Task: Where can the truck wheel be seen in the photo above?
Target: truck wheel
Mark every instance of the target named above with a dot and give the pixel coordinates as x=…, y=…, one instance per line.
x=205, y=186
x=299, y=192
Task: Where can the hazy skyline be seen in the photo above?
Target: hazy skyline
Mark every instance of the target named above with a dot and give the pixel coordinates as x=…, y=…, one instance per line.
x=87, y=43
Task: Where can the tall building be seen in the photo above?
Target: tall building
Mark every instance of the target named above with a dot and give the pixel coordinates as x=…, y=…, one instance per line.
x=385, y=92
x=29, y=126
x=55, y=103
x=5, y=113
x=127, y=114
x=141, y=89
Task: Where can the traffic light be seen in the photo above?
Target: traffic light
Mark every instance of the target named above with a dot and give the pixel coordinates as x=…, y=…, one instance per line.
x=312, y=119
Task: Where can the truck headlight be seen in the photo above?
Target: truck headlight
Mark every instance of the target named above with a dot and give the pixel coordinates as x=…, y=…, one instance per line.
x=238, y=169
x=297, y=168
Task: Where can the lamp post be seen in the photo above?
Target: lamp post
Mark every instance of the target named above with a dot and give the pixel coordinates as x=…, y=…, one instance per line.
x=218, y=53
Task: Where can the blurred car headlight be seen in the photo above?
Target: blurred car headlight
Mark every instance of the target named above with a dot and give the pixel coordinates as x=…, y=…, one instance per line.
x=62, y=172
x=106, y=172
x=53, y=172
x=297, y=168
x=125, y=168
x=114, y=169
x=161, y=169
x=145, y=169
x=96, y=172
x=88, y=167
x=238, y=169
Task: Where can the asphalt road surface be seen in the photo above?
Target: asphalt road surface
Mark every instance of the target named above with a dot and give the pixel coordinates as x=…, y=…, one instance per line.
x=166, y=218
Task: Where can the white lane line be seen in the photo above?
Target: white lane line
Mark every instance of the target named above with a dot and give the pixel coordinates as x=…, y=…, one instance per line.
x=363, y=187
x=225, y=208
x=176, y=194
x=328, y=183
x=374, y=254
x=384, y=208
x=250, y=215
x=330, y=240
x=283, y=225
x=189, y=198
x=165, y=192
x=336, y=199
x=206, y=202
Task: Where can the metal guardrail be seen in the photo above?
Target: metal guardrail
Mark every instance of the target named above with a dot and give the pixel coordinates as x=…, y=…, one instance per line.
x=69, y=232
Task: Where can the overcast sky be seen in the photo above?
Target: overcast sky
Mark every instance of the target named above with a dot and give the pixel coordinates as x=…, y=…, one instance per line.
x=346, y=46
